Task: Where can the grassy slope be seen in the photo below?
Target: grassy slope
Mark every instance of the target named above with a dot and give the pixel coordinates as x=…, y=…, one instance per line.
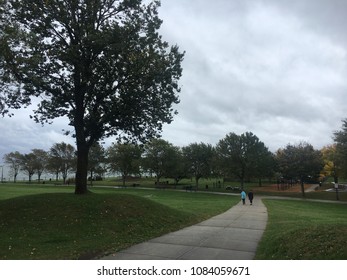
x=304, y=230
x=65, y=226
x=52, y=223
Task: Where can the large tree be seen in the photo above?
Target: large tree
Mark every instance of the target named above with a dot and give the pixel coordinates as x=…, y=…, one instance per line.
x=14, y=160
x=198, y=159
x=178, y=168
x=62, y=159
x=41, y=159
x=125, y=159
x=243, y=156
x=100, y=63
x=332, y=162
x=340, y=138
x=29, y=164
x=300, y=162
x=159, y=158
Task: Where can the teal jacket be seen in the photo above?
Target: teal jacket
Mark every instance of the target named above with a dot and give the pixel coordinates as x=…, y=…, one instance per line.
x=243, y=195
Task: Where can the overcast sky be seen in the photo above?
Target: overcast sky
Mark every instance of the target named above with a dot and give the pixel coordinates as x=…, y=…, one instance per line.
x=275, y=68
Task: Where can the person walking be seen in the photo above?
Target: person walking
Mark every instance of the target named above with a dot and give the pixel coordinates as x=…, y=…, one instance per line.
x=243, y=197
x=250, y=196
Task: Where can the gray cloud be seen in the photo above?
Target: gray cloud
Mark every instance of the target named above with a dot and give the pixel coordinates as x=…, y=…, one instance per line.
x=276, y=68
x=260, y=66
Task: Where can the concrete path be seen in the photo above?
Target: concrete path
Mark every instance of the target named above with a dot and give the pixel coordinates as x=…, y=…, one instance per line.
x=233, y=235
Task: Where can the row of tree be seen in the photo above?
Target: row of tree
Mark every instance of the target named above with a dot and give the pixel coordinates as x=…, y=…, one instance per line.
x=243, y=157
x=60, y=159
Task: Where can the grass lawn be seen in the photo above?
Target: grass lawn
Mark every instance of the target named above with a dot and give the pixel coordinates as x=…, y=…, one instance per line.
x=319, y=195
x=47, y=222
x=50, y=222
x=304, y=230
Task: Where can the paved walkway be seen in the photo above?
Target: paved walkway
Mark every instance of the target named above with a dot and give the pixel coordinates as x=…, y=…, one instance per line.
x=233, y=235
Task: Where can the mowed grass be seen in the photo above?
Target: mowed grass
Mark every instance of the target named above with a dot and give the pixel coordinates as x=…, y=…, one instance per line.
x=304, y=230
x=46, y=222
x=49, y=222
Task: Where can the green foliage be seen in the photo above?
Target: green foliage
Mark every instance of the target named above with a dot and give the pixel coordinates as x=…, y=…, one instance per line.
x=40, y=164
x=299, y=162
x=13, y=159
x=340, y=138
x=97, y=161
x=198, y=160
x=125, y=159
x=102, y=64
x=160, y=158
x=244, y=156
x=62, y=159
x=28, y=164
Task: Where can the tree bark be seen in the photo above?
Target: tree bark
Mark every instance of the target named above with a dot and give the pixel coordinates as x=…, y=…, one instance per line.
x=123, y=177
x=81, y=142
x=197, y=182
x=82, y=168
x=302, y=187
x=260, y=183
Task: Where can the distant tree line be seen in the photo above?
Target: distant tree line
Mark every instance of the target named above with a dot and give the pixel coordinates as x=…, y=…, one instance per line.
x=59, y=160
x=243, y=157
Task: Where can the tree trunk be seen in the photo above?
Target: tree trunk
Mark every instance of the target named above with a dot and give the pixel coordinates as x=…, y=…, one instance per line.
x=302, y=187
x=82, y=168
x=197, y=182
x=123, y=177
x=81, y=143
x=260, y=182
x=242, y=176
